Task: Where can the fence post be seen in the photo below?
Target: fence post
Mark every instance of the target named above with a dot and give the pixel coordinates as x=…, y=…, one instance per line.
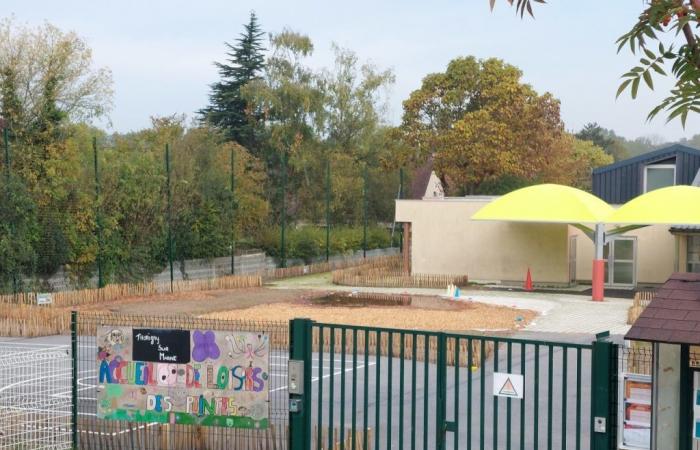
x=441, y=392
x=6, y=140
x=170, y=214
x=300, y=348
x=364, y=211
x=283, y=218
x=603, y=393
x=328, y=209
x=233, y=211
x=74, y=377
x=98, y=216
x=400, y=197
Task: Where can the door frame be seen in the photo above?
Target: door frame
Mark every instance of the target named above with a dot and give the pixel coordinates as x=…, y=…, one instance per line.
x=609, y=261
x=573, y=242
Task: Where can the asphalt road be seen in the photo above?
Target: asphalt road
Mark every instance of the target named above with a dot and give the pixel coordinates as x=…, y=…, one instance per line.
x=402, y=411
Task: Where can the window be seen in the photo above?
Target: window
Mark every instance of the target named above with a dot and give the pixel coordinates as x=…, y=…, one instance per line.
x=693, y=253
x=659, y=175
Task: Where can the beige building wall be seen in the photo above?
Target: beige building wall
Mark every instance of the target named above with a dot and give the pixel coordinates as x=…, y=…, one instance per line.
x=656, y=254
x=446, y=241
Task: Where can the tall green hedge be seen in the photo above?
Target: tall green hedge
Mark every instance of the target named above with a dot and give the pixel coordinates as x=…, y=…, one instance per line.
x=309, y=242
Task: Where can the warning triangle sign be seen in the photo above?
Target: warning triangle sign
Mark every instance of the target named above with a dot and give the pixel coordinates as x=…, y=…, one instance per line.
x=508, y=390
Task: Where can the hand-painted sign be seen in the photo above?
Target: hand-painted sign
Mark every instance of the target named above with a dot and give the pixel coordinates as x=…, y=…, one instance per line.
x=508, y=385
x=198, y=377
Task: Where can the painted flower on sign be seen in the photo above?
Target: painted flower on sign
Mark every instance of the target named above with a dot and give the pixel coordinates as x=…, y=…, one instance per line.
x=204, y=346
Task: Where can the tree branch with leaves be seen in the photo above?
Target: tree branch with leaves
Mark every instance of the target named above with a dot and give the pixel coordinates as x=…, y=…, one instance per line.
x=664, y=37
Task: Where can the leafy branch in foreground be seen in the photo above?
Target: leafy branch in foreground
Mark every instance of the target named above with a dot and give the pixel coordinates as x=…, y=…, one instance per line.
x=674, y=20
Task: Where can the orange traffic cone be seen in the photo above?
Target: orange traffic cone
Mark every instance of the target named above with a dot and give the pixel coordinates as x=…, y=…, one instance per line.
x=528, y=281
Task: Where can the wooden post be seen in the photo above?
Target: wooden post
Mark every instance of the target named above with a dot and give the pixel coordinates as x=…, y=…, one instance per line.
x=407, y=238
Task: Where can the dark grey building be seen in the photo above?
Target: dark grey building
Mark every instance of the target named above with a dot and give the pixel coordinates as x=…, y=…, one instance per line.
x=622, y=181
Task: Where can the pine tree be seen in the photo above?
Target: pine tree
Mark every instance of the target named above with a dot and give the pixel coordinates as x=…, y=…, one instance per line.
x=227, y=109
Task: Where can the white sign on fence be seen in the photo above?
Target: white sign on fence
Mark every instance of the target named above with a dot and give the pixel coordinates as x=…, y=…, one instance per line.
x=508, y=385
x=44, y=299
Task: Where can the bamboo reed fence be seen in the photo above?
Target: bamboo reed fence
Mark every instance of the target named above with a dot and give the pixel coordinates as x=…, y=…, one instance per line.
x=350, y=441
x=118, y=291
x=388, y=272
x=20, y=316
x=395, y=279
x=639, y=304
x=107, y=434
x=31, y=321
x=104, y=434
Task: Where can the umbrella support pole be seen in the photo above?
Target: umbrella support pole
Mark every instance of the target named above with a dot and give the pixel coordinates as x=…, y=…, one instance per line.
x=598, y=273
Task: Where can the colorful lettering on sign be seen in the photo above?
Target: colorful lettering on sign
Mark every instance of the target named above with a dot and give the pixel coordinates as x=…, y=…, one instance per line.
x=225, y=381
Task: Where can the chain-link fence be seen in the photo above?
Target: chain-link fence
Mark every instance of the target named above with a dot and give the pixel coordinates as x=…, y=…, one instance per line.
x=35, y=396
x=118, y=210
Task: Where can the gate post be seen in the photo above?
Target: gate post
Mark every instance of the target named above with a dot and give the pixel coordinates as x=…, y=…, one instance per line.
x=300, y=349
x=603, y=393
x=74, y=377
x=441, y=403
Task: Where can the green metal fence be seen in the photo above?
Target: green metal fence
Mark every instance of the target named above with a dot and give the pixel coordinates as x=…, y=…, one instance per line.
x=375, y=388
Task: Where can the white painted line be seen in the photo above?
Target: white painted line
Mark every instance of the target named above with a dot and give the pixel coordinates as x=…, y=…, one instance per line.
x=335, y=374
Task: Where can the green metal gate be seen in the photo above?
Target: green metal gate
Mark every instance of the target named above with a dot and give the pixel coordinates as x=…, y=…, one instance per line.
x=382, y=388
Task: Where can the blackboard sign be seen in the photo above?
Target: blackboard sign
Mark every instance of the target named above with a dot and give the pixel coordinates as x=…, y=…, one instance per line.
x=159, y=345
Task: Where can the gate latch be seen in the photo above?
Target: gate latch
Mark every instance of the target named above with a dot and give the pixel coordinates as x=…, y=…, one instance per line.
x=599, y=424
x=295, y=374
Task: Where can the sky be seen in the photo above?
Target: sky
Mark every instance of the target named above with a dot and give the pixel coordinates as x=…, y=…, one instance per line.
x=161, y=51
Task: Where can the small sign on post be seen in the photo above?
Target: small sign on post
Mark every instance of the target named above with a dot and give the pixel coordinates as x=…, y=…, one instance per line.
x=509, y=385
x=44, y=299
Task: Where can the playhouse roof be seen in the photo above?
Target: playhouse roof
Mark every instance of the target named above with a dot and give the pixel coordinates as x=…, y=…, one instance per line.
x=673, y=316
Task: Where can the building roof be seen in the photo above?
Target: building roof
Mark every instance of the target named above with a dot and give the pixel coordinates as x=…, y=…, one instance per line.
x=673, y=316
x=420, y=181
x=685, y=229
x=658, y=155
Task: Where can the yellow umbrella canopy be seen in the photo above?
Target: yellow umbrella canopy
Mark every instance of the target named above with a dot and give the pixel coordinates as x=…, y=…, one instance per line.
x=673, y=205
x=552, y=203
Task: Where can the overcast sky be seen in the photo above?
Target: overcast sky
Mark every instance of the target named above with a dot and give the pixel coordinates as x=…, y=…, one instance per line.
x=161, y=52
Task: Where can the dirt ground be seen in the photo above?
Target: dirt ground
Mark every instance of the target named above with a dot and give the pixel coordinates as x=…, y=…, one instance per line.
x=202, y=302
x=425, y=312
x=466, y=317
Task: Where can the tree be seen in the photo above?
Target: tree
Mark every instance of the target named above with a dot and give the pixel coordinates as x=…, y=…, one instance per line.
x=353, y=101
x=482, y=124
x=227, y=109
x=587, y=155
x=47, y=75
x=47, y=81
x=605, y=139
x=659, y=19
x=292, y=101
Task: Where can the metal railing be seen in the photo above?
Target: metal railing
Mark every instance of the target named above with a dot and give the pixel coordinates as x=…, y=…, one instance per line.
x=35, y=396
x=383, y=388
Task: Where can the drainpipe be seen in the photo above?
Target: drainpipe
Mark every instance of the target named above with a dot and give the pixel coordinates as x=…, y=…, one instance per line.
x=598, y=274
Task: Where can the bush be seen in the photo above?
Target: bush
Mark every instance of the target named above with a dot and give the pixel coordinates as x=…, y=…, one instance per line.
x=305, y=243
x=309, y=242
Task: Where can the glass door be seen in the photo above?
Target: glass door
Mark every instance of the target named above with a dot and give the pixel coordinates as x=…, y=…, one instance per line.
x=620, y=262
